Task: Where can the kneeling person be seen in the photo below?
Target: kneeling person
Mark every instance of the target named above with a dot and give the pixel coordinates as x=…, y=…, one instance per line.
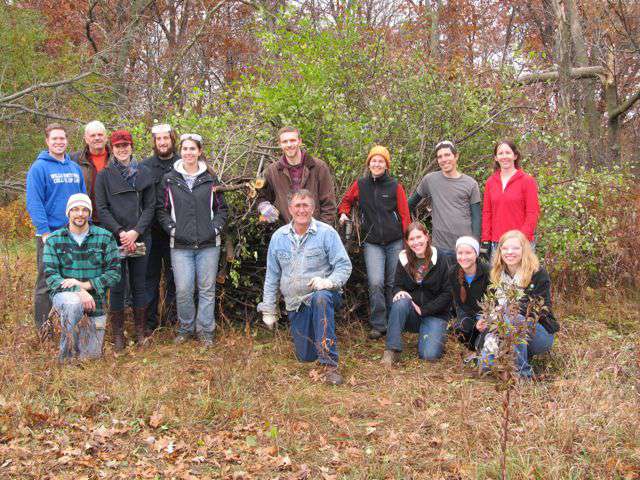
x=422, y=298
x=308, y=263
x=81, y=261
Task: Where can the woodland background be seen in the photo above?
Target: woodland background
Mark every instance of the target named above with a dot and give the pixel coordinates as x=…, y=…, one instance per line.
x=562, y=77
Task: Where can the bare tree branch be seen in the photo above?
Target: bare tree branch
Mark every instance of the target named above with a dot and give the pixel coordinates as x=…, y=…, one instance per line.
x=39, y=86
x=623, y=107
x=40, y=113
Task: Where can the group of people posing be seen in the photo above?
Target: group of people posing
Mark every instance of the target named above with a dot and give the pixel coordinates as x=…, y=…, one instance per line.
x=105, y=221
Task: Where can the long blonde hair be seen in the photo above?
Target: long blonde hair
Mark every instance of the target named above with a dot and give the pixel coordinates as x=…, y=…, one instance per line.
x=528, y=266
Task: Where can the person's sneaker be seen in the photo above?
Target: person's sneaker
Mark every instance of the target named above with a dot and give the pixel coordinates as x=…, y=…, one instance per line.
x=207, y=342
x=180, y=339
x=389, y=358
x=332, y=376
x=375, y=334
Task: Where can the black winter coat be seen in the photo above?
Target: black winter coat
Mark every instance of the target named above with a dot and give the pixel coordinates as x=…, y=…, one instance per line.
x=159, y=168
x=198, y=216
x=433, y=294
x=540, y=287
x=122, y=207
x=466, y=312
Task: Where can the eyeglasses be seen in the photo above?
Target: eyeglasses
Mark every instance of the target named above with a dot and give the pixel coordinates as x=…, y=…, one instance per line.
x=191, y=136
x=122, y=145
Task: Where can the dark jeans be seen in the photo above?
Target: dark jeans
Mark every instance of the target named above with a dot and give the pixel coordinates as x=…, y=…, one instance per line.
x=313, y=328
x=159, y=259
x=133, y=273
x=381, y=261
x=431, y=330
x=41, y=299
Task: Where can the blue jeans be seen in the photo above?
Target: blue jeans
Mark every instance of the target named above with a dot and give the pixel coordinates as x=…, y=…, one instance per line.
x=538, y=341
x=80, y=336
x=159, y=256
x=313, y=328
x=381, y=262
x=431, y=331
x=189, y=267
x=134, y=271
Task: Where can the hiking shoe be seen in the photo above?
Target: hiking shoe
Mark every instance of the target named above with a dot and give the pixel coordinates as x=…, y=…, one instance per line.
x=375, y=334
x=207, y=342
x=332, y=376
x=180, y=339
x=389, y=358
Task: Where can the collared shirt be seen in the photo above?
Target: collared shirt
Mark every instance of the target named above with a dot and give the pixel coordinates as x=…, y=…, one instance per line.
x=95, y=260
x=292, y=263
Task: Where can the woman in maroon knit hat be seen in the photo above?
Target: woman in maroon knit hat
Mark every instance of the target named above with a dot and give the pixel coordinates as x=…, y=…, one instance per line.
x=125, y=198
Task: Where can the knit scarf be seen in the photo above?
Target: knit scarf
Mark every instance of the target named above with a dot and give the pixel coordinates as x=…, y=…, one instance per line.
x=128, y=172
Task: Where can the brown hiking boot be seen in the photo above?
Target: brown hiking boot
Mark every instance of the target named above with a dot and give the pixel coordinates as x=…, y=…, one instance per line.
x=117, y=329
x=389, y=358
x=140, y=320
x=332, y=376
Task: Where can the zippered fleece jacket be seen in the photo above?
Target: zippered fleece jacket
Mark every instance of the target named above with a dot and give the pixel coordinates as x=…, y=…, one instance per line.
x=50, y=183
x=515, y=208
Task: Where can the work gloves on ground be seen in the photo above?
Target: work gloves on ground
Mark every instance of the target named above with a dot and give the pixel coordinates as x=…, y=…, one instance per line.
x=319, y=283
x=268, y=213
x=269, y=319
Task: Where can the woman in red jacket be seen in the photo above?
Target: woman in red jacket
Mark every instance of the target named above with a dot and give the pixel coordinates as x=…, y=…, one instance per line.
x=384, y=215
x=510, y=197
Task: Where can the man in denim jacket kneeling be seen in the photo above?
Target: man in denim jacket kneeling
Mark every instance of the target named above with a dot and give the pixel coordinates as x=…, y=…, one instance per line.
x=309, y=264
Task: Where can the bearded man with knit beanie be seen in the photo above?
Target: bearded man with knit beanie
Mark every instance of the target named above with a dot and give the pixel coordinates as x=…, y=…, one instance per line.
x=296, y=170
x=384, y=215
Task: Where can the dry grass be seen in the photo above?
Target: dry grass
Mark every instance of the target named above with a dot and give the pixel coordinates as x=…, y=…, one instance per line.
x=247, y=409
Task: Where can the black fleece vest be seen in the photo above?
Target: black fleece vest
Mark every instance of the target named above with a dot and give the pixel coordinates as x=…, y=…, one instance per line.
x=378, y=201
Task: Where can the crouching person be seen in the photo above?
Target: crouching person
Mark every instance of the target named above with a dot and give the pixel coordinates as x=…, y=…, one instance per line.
x=308, y=263
x=422, y=297
x=469, y=280
x=81, y=262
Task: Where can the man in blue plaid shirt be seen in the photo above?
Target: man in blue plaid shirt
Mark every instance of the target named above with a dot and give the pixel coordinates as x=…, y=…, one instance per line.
x=81, y=262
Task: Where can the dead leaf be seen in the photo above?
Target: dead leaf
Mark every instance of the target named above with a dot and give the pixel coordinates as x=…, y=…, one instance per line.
x=384, y=402
x=156, y=419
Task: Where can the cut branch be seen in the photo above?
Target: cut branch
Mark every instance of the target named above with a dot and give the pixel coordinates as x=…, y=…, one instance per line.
x=575, y=73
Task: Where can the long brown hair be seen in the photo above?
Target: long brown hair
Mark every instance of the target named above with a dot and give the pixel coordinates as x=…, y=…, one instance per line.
x=514, y=149
x=174, y=142
x=412, y=259
x=528, y=266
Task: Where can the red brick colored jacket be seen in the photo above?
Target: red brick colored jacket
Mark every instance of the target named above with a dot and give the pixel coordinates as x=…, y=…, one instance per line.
x=517, y=208
x=316, y=178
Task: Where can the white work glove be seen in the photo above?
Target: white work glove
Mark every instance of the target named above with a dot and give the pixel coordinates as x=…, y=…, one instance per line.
x=269, y=319
x=268, y=212
x=343, y=218
x=319, y=283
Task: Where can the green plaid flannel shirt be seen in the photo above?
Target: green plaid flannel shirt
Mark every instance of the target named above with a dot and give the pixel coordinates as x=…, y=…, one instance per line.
x=97, y=260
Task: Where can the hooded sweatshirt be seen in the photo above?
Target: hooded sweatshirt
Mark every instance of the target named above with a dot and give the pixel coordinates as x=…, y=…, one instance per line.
x=50, y=183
